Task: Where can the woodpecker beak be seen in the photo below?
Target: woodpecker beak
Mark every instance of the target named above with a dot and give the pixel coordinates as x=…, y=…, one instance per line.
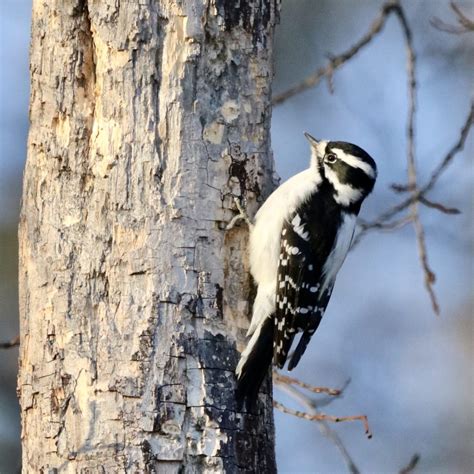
x=311, y=140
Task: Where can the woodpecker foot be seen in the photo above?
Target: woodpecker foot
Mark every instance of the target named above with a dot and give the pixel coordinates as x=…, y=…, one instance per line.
x=241, y=216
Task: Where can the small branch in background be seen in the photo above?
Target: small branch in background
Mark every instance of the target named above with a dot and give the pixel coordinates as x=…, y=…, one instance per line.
x=458, y=146
x=337, y=61
x=410, y=467
x=324, y=417
x=284, y=379
x=464, y=23
x=400, y=188
x=311, y=406
x=324, y=401
x=312, y=413
x=440, y=207
x=417, y=194
x=366, y=226
x=430, y=276
x=444, y=163
x=12, y=343
x=381, y=221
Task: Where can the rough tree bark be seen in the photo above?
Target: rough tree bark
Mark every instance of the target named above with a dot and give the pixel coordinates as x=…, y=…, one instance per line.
x=146, y=117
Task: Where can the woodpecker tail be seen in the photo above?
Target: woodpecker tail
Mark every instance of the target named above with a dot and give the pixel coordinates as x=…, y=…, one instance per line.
x=254, y=363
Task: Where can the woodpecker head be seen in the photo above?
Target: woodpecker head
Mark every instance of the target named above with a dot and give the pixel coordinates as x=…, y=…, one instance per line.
x=346, y=167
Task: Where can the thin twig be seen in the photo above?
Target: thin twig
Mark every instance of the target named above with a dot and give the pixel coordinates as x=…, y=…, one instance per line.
x=326, y=400
x=365, y=227
x=465, y=24
x=458, y=146
x=444, y=163
x=462, y=18
x=323, y=425
x=400, y=188
x=438, y=206
x=438, y=171
x=284, y=379
x=323, y=416
x=430, y=277
x=336, y=61
x=12, y=343
x=410, y=467
x=417, y=193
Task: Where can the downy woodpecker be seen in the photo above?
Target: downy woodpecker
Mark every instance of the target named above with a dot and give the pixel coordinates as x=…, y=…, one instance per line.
x=301, y=236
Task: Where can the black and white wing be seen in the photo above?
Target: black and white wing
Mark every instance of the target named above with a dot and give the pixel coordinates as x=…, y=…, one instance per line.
x=300, y=300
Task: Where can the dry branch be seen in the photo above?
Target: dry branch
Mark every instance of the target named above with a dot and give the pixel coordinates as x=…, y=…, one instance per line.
x=421, y=192
x=337, y=61
x=284, y=379
x=464, y=23
x=311, y=406
x=325, y=417
x=429, y=276
x=437, y=205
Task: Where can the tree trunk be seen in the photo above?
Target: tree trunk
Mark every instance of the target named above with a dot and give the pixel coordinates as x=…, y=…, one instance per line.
x=146, y=118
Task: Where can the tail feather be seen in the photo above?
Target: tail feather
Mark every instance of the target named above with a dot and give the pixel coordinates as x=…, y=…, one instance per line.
x=299, y=351
x=254, y=363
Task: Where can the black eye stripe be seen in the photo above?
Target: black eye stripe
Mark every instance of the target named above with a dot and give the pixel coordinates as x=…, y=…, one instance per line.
x=356, y=177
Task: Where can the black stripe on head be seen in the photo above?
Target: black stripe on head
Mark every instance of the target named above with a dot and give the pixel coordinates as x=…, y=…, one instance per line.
x=354, y=150
x=355, y=177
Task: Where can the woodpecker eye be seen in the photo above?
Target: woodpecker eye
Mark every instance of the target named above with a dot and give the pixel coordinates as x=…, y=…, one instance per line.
x=330, y=158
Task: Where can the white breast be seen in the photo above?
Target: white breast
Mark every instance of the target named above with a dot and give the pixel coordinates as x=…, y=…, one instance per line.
x=265, y=239
x=339, y=251
x=265, y=235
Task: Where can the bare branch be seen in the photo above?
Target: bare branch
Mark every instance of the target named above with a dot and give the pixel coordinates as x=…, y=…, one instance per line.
x=462, y=18
x=400, y=188
x=464, y=23
x=411, y=160
x=410, y=467
x=323, y=416
x=430, y=277
x=326, y=400
x=438, y=171
x=458, y=146
x=440, y=207
x=12, y=343
x=365, y=227
x=324, y=428
x=336, y=61
x=444, y=163
x=284, y=379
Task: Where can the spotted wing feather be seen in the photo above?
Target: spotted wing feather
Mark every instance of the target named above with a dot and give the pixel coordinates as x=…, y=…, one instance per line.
x=298, y=282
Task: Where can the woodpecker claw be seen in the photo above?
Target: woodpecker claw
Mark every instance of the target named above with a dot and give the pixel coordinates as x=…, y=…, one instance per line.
x=242, y=215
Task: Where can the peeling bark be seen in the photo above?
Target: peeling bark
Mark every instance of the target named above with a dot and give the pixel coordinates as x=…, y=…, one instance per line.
x=146, y=118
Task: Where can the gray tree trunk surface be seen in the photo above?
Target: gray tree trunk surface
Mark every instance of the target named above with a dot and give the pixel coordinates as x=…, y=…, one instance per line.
x=146, y=118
